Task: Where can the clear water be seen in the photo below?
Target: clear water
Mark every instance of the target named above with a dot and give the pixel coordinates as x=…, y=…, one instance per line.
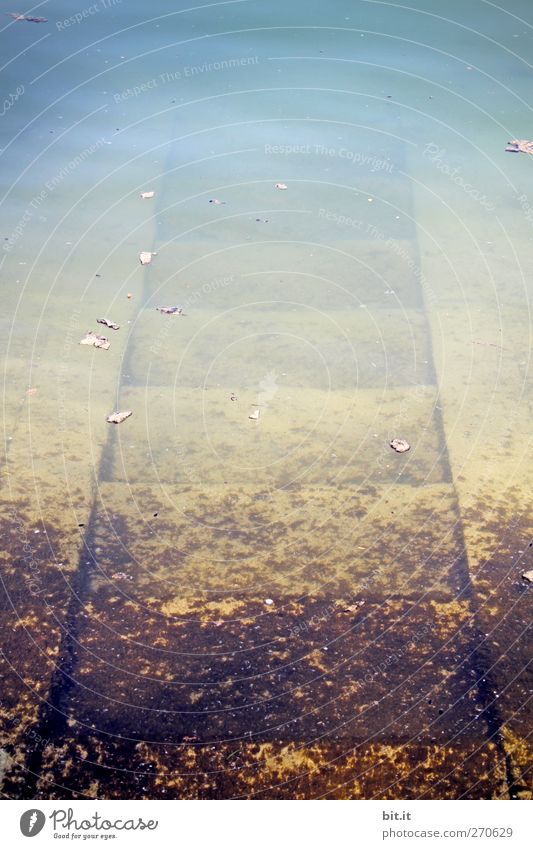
x=384, y=293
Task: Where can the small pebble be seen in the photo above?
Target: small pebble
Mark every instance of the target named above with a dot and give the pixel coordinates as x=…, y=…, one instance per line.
x=269, y=601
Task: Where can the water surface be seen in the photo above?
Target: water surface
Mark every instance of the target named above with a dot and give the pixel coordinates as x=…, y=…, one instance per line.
x=198, y=604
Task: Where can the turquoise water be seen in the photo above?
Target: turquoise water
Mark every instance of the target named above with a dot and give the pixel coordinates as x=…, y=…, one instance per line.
x=213, y=582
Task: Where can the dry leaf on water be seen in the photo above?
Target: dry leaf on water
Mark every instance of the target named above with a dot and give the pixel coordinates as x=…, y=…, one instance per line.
x=146, y=257
x=108, y=323
x=117, y=418
x=95, y=340
x=400, y=445
x=520, y=146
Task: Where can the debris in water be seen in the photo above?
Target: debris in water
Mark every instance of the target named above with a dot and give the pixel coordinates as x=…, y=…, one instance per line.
x=108, y=323
x=400, y=445
x=217, y=202
x=489, y=344
x=129, y=296
x=519, y=146
x=117, y=418
x=18, y=17
x=92, y=338
x=528, y=576
x=281, y=186
x=146, y=257
x=254, y=416
x=171, y=310
x=351, y=608
x=146, y=195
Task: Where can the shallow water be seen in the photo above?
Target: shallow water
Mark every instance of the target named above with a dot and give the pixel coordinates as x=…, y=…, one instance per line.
x=384, y=294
